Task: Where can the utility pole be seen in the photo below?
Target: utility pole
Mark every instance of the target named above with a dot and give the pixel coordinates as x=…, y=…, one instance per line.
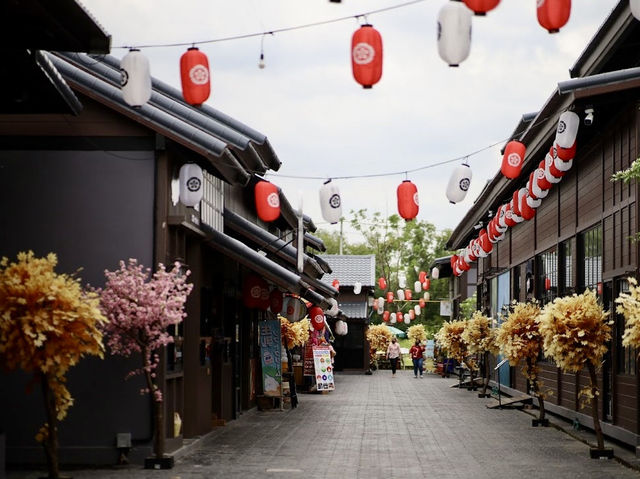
x=341, y=220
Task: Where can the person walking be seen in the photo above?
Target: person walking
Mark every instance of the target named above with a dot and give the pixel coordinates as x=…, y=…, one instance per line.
x=417, y=356
x=393, y=355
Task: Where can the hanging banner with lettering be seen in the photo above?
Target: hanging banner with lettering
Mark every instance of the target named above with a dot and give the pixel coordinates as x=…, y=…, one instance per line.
x=270, y=351
x=323, y=368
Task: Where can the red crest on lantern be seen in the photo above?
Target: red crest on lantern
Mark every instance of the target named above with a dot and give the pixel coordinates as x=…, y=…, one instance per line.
x=408, y=200
x=366, y=56
x=553, y=14
x=335, y=283
x=194, y=74
x=267, y=201
x=481, y=7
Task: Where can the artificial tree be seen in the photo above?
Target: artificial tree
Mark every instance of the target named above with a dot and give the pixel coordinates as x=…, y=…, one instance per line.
x=480, y=338
x=379, y=336
x=47, y=323
x=450, y=338
x=140, y=308
x=575, y=331
x=519, y=340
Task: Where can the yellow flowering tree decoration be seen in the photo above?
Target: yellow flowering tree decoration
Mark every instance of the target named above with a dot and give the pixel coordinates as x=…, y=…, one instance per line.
x=520, y=340
x=294, y=334
x=417, y=333
x=575, y=332
x=379, y=337
x=629, y=307
x=450, y=338
x=480, y=338
x=48, y=322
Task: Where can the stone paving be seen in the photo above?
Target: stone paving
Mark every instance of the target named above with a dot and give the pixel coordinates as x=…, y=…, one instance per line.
x=381, y=427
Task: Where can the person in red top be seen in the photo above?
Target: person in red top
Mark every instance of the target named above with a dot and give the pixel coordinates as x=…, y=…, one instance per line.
x=416, y=352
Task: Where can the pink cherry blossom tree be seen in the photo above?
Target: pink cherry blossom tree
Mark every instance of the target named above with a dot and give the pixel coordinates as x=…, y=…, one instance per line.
x=139, y=309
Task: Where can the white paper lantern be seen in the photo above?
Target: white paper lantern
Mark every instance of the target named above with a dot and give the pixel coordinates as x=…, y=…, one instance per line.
x=357, y=287
x=392, y=318
x=426, y=296
x=380, y=305
x=190, y=184
x=402, y=280
x=417, y=309
x=417, y=287
x=567, y=129
x=341, y=328
x=454, y=32
x=401, y=294
x=635, y=8
x=333, y=310
x=459, y=183
x=330, y=202
x=407, y=318
x=135, y=78
x=435, y=273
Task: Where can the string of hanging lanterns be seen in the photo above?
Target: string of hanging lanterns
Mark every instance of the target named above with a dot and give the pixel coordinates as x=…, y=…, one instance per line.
x=401, y=298
x=454, y=44
x=524, y=201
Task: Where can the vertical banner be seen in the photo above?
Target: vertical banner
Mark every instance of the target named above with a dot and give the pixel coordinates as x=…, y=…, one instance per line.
x=308, y=367
x=429, y=351
x=270, y=350
x=323, y=368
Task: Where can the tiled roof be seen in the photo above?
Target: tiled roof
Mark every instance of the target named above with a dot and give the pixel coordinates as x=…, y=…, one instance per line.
x=348, y=269
x=354, y=310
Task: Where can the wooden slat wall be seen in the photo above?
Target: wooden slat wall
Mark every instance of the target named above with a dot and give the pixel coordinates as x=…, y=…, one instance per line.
x=504, y=254
x=625, y=404
x=568, y=393
x=548, y=375
x=590, y=187
x=547, y=221
x=567, y=202
x=521, y=246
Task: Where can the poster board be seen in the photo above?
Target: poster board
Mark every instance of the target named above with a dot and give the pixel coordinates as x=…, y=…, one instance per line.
x=270, y=352
x=308, y=367
x=429, y=350
x=445, y=308
x=323, y=368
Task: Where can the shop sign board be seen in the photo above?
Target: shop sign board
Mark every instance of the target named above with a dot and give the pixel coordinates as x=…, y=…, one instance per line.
x=270, y=352
x=323, y=368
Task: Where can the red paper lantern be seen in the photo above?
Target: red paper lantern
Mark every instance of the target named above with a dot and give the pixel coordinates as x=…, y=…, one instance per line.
x=317, y=318
x=481, y=7
x=599, y=289
x=335, y=283
x=385, y=316
x=412, y=314
x=566, y=154
x=422, y=276
x=252, y=291
x=426, y=284
x=485, y=244
x=512, y=159
x=547, y=284
x=553, y=14
x=462, y=264
x=267, y=201
x=408, y=200
x=389, y=296
x=407, y=294
x=194, y=73
x=366, y=56
x=276, y=301
x=422, y=302
x=265, y=297
x=526, y=211
x=382, y=283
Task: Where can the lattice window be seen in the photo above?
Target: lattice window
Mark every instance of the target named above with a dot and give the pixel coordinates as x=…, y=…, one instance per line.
x=212, y=204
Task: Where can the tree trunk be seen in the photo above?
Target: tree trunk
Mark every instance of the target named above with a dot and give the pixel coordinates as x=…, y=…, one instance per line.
x=594, y=404
x=50, y=444
x=536, y=388
x=485, y=372
x=158, y=412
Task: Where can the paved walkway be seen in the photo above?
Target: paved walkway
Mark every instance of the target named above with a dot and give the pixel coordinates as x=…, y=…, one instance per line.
x=382, y=427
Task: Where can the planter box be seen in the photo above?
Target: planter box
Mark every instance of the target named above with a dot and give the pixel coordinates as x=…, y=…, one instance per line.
x=606, y=453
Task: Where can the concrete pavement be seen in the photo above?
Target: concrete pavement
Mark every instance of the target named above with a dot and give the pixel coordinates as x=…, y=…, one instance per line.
x=380, y=427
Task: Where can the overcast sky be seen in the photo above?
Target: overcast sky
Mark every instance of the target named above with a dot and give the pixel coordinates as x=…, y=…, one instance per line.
x=321, y=123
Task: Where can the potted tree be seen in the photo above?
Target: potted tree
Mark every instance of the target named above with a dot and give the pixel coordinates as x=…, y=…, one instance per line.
x=48, y=323
x=140, y=308
x=575, y=331
x=481, y=339
x=519, y=340
x=379, y=337
x=450, y=338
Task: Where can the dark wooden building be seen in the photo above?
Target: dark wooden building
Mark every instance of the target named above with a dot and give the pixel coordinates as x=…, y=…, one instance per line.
x=98, y=184
x=582, y=234
x=352, y=270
